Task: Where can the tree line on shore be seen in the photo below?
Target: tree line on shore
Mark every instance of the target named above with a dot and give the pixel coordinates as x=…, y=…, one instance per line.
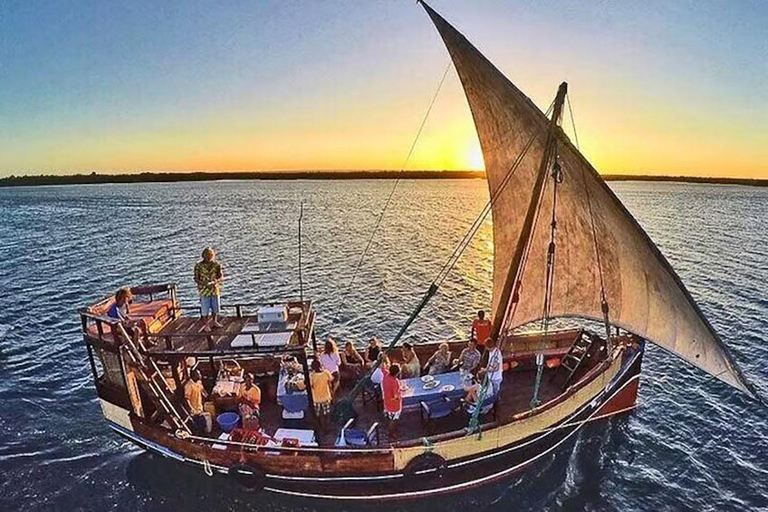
x=168, y=177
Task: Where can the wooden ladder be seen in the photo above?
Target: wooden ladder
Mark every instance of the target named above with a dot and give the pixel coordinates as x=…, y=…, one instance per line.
x=161, y=394
x=575, y=356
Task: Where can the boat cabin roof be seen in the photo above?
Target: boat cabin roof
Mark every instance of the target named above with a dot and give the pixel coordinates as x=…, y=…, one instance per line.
x=243, y=334
x=169, y=329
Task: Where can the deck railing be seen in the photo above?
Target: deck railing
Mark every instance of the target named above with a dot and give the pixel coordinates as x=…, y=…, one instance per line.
x=240, y=307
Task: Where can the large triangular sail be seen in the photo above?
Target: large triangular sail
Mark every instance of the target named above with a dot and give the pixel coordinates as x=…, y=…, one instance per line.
x=644, y=294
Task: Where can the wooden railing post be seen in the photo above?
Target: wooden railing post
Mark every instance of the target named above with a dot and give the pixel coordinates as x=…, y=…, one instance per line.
x=93, y=364
x=176, y=378
x=210, y=359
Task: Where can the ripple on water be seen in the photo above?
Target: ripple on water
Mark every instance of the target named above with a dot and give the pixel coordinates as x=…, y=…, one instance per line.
x=692, y=443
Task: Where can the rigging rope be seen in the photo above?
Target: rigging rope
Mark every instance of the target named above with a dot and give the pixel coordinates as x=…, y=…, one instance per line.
x=344, y=405
x=480, y=219
x=392, y=192
x=603, y=300
x=573, y=122
x=557, y=178
x=512, y=307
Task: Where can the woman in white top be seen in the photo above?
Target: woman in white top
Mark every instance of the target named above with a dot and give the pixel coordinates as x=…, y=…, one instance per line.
x=495, y=366
x=377, y=377
x=331, y=360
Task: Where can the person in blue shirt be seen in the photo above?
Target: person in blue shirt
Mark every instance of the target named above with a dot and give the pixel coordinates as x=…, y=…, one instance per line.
x=121, y=310
x=121, y=307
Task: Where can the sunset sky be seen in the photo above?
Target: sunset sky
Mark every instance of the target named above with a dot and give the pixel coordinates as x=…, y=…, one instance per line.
x=658, y=87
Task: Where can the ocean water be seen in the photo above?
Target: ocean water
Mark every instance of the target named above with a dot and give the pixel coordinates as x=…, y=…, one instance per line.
x=692, y=444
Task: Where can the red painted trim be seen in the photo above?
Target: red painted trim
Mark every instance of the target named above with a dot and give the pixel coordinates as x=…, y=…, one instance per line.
x=624, y=400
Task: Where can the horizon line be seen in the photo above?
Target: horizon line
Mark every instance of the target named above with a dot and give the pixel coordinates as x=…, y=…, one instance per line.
x=95, y=177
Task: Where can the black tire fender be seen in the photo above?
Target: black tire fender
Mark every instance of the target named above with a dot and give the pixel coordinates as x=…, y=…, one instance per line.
x=248, y=476
x=427, y=465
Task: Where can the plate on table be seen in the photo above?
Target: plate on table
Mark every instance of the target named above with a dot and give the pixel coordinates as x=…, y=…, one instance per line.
x=432, y=384
x=447, y=388
x=427, y=378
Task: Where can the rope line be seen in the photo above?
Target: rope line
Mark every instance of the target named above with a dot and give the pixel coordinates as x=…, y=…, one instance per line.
x=603, y=299
x=392, y=192
x=344, y=405
x=512, y=306
x=573, y=122
x=551, y=251
x=480, y=219
x=549, y=282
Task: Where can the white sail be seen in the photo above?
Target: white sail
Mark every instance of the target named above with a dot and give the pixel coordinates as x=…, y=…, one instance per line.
x=643, y=293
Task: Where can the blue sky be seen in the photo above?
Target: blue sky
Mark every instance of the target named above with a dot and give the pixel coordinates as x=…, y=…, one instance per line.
x=658, y=87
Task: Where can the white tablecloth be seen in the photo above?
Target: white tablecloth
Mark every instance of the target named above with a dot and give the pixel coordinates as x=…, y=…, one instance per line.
x=305, y=437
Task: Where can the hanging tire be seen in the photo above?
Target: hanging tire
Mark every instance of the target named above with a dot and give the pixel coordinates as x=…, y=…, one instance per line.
x=249, y=477
x=427, y=466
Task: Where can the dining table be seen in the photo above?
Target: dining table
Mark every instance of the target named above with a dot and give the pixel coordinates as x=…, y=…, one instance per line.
x=418, y=389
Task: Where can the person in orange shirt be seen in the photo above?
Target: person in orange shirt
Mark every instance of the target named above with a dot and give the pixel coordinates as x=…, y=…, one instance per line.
x=481, y=329
x=393, y=399
x=321, y=382
x=249, y=398
x=194, y=392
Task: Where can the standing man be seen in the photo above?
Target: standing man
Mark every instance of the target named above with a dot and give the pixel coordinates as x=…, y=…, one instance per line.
x=208, y=277
x=321, y=382
x=481, y=329
x=194, y=392
x=393, y=399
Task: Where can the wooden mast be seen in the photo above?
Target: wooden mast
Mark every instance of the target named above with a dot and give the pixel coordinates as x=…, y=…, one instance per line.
x=510, y=282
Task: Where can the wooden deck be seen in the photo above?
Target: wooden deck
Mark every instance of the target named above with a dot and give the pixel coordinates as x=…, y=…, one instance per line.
x=516, y=394
x=190, y=334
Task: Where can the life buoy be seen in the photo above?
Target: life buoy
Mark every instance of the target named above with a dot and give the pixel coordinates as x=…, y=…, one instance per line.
x=250, y=477
x=429, y=466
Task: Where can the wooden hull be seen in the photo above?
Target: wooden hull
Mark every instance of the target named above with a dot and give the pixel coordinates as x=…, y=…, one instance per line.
x=469, y=462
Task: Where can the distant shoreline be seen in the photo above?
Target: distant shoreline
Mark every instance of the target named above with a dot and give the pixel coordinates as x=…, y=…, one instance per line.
x=171, y=177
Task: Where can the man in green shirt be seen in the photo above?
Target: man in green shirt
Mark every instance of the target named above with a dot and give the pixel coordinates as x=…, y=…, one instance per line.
x=208, y=277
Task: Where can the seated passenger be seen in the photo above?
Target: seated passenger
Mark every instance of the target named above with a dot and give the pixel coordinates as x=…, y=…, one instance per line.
x=194, y=392
x=290, y=366
x=120, y=310
x=330, y=360
x=294, y=374
x=440, y=362
x=321, y=381
x=352, y=364
x=249, y=398
x=372, y=352
x=393, y=399
x=469, y=359
x=473, y=390
x=410, y=366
